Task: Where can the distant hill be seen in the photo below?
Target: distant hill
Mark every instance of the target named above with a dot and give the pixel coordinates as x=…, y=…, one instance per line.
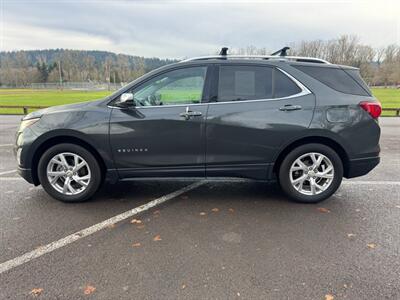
x=53, y=55
x=19, y=68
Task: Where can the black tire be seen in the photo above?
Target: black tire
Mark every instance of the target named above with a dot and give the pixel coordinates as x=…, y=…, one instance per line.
x=95, y=180
x=284, y=173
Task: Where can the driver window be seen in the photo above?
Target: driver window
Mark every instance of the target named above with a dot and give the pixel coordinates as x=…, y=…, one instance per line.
x=182, y=86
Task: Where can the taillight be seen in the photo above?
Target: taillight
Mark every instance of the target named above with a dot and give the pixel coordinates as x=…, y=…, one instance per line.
x=373, y=108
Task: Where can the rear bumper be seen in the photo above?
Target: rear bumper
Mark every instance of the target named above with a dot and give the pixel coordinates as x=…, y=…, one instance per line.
x=26, y=174
x=361, y=166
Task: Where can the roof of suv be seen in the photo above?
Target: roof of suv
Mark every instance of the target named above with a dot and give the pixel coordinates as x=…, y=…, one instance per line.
x=260, y=57
x=242, y=59
x=279, y=56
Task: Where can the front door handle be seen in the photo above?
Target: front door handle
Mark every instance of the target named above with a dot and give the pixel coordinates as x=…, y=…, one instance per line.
x=188, y=114
x=290, y=107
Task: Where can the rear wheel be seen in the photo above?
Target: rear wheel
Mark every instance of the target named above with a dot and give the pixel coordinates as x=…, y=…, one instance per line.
x=69, y=173
x=311, y=173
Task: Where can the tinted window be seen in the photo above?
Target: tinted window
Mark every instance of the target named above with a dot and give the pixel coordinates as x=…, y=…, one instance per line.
x=335, y=78
x=182, y=86
x=244, y=83
x=283, y=85
x=355, y=74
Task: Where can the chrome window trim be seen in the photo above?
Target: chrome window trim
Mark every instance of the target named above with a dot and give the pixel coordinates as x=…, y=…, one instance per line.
x=304, y=91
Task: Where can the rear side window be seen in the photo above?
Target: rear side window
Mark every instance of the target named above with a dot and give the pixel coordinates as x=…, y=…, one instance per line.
x=244, y=83
x=337, y=79
x=252, y=83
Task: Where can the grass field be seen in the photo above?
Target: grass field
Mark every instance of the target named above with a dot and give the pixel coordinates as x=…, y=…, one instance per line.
x=388, y=97
x=30, y=97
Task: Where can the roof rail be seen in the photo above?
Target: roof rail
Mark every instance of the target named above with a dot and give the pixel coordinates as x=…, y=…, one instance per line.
x=265, y=57
x=223, y=54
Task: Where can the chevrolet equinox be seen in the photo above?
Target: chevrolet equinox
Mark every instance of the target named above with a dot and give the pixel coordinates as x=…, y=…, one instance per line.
x=301, y=121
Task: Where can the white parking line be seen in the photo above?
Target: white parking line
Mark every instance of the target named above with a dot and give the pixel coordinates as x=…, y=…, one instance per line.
x=15, y=262
x=10, y=178
x=371, y=182
x=6, y=145
x=8, y=172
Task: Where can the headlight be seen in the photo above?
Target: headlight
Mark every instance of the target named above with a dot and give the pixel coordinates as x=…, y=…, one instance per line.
x=27, y=123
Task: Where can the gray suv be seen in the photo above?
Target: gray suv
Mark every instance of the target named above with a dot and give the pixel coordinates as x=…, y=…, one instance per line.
x=302, y=121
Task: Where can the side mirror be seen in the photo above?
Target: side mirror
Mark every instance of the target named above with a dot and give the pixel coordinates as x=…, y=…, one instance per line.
x=126, y=100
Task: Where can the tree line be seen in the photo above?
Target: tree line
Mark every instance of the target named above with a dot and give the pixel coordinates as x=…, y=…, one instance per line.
x=21, y=68
x=378, y=66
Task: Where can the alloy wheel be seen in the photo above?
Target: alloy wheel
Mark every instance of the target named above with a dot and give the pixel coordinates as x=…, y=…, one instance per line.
x=68, y=173
x=311, y=173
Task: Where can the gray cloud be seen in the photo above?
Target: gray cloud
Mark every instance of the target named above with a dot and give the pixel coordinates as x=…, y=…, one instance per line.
x=178, y=28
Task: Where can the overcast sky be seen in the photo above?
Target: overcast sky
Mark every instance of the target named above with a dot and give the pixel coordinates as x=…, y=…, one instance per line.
x=179, y=29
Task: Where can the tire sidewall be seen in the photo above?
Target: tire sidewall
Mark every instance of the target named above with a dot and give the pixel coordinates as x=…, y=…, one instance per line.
x=284, y=173
x=86, y=155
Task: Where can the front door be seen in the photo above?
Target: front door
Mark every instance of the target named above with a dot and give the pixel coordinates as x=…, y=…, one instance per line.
x=164, y=134
x=258, y=109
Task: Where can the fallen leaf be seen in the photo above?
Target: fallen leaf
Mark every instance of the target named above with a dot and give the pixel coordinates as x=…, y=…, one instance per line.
x=215, y=209
x=202, y=213
x=350, y=235
x=36, y=291
x=89, y=289
x=371, y=246
x=231, y=210
x=329, y=297
x=111, y=226
x=136, y=245
x=136, y=221
x=323, y=210
x=157, y=238
x=183, y=286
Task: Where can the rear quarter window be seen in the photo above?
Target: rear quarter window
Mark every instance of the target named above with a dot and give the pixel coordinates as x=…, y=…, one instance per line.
x=284, y=86
x=345, y=81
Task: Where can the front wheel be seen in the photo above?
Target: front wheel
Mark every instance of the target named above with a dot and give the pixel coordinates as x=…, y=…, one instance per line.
x=69, y=173
x=311, y=173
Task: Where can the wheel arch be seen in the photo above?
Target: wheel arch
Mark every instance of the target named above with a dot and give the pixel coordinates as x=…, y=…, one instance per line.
x=62, y=139
x=327, y=141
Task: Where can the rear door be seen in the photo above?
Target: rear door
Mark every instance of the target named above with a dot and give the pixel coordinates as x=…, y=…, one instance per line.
x=256, y=109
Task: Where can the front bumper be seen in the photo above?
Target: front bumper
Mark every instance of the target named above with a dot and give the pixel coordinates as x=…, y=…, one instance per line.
x=26, y=174
x=361, y=166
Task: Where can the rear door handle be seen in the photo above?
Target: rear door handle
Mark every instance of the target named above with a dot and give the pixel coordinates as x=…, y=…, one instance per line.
x=188, y=114
x=290, y=107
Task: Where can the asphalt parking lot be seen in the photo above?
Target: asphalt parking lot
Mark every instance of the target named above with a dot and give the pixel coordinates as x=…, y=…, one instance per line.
x=220, y=240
